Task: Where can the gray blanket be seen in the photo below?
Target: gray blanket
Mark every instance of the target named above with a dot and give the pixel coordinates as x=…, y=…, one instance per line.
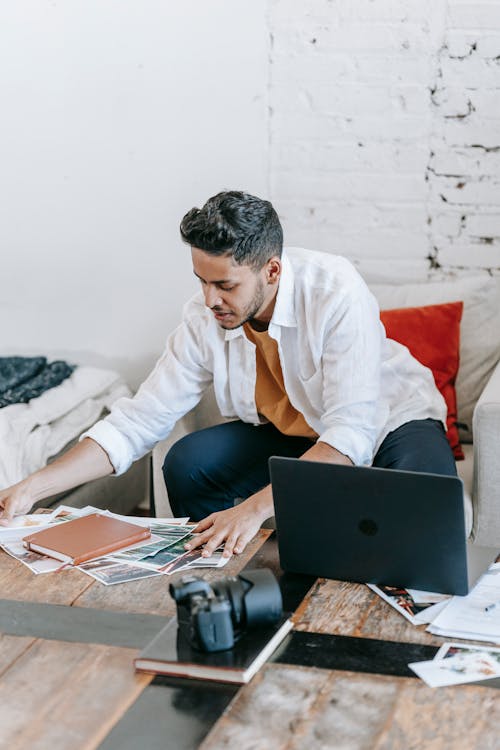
x=24, y=378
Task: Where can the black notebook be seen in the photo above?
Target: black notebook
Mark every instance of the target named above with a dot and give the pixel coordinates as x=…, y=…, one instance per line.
x=169, y=653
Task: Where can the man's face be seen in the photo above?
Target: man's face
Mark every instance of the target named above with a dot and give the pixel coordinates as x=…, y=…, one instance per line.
x=234, y=293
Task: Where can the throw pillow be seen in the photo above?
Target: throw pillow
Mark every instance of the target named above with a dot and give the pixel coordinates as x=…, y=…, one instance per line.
x=479, y=340
x=432, y=334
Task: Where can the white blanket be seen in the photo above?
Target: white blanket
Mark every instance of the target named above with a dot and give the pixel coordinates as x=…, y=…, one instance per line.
x=31, y=433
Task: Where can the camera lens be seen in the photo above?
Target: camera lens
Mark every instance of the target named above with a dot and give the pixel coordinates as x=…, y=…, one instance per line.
x=255, y=597
x=263, y=601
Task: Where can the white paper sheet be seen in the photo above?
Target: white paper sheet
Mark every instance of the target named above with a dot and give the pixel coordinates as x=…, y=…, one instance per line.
x=467, y=616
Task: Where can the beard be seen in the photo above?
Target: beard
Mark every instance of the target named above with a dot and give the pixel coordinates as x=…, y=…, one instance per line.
x=250, y=310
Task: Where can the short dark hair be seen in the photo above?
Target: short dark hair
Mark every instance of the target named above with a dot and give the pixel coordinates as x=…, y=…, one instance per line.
x=235, y=223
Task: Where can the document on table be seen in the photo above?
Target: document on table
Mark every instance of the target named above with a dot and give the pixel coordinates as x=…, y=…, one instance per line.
x=473, y=616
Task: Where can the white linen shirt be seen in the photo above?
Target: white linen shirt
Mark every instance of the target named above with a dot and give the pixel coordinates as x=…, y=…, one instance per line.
x=351, y=383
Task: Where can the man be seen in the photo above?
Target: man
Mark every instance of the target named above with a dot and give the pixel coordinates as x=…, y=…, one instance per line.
x=294, y=347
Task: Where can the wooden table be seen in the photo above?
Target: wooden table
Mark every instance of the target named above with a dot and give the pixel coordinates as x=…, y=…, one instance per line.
x=67, y=644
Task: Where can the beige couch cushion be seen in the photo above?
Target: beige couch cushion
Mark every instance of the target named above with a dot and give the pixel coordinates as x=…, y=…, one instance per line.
x=479, y=330
x=486, y=495
x=465, y=470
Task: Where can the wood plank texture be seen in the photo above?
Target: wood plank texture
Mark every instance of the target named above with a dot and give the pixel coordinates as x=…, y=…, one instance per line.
x=65, y=695
x=11, y=648
x=341, y=608
x=18, y=582
x=291, y=708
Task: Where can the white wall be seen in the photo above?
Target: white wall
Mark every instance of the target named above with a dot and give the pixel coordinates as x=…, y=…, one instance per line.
x=385, y=130
x=117, y=117
x=374, y=126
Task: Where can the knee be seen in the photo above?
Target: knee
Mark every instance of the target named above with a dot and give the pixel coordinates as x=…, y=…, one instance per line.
x=177, y=470
x=189, y=466
x=177, y=462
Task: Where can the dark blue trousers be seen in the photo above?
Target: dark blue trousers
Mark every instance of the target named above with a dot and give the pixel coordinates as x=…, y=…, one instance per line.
x=207, y=470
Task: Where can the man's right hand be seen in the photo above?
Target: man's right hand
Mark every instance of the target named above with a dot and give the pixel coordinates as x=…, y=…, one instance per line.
x=14, y=501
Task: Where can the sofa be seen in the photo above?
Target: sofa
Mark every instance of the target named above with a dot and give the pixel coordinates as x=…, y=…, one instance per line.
x=477, y=391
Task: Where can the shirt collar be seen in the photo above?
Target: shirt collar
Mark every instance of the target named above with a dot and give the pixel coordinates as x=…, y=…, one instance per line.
x=284, y=309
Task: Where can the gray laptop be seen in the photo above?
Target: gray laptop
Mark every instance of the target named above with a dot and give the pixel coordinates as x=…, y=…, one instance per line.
x=371, y=525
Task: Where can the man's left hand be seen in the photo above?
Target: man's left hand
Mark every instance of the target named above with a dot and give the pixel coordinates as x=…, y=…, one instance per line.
x=234, y=526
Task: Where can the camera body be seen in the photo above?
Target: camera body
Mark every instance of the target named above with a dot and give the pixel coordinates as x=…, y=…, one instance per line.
x=213, y=617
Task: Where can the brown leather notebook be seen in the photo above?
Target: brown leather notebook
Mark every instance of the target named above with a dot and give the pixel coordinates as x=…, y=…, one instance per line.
x=86, y=538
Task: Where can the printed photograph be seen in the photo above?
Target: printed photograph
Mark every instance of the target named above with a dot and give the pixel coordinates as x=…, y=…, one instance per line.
x=100, y=564
x=464, y=665
x=166, y=556
x=468, y=653
x=170, y=531
x=120, y=573
x=33, y=560
x=194, y=560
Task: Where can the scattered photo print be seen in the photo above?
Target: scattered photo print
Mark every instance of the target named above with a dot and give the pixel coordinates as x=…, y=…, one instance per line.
x=119, y=573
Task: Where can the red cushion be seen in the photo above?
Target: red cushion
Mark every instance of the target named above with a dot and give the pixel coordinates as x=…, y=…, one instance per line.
x=432, y=334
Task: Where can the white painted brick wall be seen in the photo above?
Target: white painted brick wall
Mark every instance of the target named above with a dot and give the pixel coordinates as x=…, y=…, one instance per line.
x=385, y=129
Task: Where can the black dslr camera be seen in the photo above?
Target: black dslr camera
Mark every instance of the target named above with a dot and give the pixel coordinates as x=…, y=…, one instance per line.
x=212, y=617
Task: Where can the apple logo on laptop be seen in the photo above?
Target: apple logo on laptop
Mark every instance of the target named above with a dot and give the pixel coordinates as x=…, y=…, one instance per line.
x=368, y=527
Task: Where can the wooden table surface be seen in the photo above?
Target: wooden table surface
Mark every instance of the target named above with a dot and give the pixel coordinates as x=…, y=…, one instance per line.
x=60, y=693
